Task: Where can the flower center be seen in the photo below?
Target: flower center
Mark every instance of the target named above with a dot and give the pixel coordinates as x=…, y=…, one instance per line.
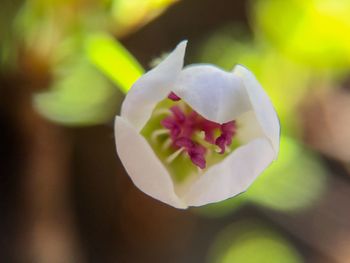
x=185, y=141
x=194, y=135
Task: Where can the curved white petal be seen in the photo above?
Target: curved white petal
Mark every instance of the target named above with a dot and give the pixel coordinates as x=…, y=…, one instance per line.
x=264, y=111
x=143, y=166
x=152, y=87
x=217, y=95
x=233, y=175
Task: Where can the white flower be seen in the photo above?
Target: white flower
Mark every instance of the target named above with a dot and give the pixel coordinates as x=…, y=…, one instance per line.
x=176, y=128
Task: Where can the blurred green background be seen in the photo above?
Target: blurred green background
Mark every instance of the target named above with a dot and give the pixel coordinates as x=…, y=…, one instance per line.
x=65, y=67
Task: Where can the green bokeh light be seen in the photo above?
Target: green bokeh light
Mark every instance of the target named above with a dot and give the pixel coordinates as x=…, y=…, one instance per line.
x=251, y=242
x=315, y=33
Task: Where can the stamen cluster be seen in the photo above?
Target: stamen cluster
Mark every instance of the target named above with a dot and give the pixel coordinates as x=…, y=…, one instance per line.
x=184, y=126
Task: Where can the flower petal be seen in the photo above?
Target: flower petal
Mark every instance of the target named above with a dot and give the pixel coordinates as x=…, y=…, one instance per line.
x=264, y=111
x=217, y=95
x=143, y=166
x=231, y=176
x=152, y=87
x=248, y=128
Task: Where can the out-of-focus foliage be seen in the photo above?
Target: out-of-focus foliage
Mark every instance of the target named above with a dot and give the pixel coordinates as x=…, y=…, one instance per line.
x=80, y=95
x=63, y=34
x=7, y=14
x=294, y=182
x=114, y=60
x=42, y=26
x=252, y=242
x=222, y=208
x=129, y=15
x=316, y=33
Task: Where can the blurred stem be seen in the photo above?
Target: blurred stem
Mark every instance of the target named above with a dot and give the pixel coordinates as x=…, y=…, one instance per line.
x=46, y=230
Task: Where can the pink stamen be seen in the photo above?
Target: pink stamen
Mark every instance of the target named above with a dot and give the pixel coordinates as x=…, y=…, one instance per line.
x=171, y=125
x=173, y=96
x=228, y=130
x=183, y=126
x=194, y=150
x=178, y=114
x=196, y=154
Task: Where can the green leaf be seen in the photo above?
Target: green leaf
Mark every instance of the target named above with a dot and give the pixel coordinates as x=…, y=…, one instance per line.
x=111, y=57
x=80, y=95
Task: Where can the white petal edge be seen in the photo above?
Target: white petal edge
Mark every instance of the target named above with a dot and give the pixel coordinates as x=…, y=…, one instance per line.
x=152, y=87
x=143, y=166
x=217, y=95
x=231, y=176
x=263, y=108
